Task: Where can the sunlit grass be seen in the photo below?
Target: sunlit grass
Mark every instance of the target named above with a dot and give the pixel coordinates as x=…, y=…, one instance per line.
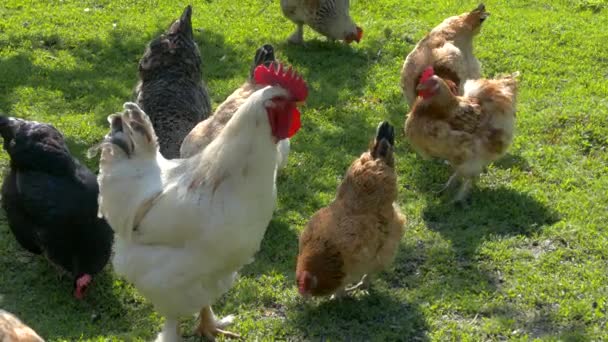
x=527, y=259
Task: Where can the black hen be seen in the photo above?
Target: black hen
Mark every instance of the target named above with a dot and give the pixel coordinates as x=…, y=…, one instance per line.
x=171, y=90
x=50, y=201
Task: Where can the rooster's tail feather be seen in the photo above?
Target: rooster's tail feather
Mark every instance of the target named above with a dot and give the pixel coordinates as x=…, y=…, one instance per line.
x=131, y=131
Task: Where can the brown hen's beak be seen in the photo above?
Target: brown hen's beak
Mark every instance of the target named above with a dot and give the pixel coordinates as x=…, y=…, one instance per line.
x=482, y=9
x=421, y=86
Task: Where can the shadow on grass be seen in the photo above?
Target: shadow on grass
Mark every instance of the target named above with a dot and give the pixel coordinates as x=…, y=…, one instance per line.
x=100, y=74
x=492, y=211
x=278, y=251
x=332, y=71
x=335, y=73
x=371, y=316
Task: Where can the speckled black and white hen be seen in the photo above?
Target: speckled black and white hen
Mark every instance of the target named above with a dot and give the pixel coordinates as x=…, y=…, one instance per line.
x=171, y=89
x=330, y=18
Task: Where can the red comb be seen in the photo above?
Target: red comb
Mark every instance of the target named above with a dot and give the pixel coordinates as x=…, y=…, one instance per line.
x=275, y=75
x=426, y=74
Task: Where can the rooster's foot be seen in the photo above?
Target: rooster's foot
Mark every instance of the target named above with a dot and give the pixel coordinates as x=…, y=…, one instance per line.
x=363, y=285
x=209, y=327
x=463, y=193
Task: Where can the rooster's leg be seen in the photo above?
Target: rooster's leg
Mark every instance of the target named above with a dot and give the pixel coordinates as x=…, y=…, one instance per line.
x=170, y=331
x=298, y=36
x=364, y=284
x=209, y=327
x=464, y=191
x=449, y=184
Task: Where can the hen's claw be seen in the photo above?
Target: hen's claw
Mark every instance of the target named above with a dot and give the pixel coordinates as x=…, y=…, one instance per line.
x=209, y=327
x=363, y=285
x=464, y=192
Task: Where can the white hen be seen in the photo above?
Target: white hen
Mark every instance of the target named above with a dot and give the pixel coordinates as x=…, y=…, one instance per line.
x=185, y=227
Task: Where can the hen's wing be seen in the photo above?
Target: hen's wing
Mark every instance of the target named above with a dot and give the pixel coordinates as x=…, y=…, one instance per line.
x=466, y=118
x=53, y=200
x=55, y=211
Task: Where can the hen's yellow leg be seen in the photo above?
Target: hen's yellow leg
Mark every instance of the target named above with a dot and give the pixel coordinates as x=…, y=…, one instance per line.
x=464, y=191
x=364, y=284
x=210, y=327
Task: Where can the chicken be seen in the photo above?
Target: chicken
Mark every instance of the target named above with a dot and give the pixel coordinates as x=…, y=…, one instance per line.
x=50, y=201
x=13, y=330
x=223, y=199
x=171, y=90
x=449, y=49
x=359, y=233
x=207, y=130
x=469, y=131
x=330, y=18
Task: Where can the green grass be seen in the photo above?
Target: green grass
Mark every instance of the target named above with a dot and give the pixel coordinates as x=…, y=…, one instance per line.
x=526, y=260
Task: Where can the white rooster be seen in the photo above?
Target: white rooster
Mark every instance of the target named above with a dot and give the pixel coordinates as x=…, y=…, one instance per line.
x=185, y=227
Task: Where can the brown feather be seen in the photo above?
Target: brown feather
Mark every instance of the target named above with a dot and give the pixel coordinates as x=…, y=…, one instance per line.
x=13, y=330
x=358, y=233
x=470, y=131
x=448, y=48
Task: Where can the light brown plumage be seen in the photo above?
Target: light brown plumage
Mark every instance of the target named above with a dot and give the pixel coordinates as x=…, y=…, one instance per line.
x=449, y=49
x=469, y=131
x=359, y=232
x=13, y=330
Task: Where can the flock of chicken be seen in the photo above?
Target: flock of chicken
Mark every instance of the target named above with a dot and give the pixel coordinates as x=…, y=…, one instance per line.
x=183, y=198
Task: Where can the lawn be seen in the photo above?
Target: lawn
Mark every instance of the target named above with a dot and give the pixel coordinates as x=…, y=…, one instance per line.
x=525, y=260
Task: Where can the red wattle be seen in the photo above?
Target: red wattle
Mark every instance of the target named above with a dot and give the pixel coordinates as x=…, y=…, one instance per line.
x=295, y=122
x=425, y=94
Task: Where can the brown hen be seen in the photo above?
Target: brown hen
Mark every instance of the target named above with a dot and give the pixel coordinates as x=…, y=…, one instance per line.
x=449, y=49
x=469, y=131
x=358, y=234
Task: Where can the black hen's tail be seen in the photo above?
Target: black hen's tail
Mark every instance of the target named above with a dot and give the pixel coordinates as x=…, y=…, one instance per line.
x=263, y=55
x=385, y=142
x=6, y=129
